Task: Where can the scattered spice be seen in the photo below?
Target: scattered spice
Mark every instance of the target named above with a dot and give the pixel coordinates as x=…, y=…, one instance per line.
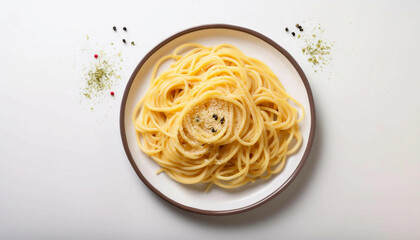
x=213, y=130
x=197, y=119
x=125, y=29
x=124, y=41
x=317, y=50
x=101, y=76
x=132, y=43
x=215, y=117
x=286, y=29
x=222, y=120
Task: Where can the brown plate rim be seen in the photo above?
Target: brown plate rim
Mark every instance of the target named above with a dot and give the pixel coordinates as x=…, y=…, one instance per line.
x=265, y=39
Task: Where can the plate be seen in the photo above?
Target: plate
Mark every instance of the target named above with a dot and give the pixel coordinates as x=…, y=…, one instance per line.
x=218, y=201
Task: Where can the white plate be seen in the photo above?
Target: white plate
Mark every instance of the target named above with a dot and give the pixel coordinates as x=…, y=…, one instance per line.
x=218, y=201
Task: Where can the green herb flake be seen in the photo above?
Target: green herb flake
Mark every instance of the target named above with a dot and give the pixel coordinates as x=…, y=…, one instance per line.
x=317, y=50
x=100, y=77
x=87, y=95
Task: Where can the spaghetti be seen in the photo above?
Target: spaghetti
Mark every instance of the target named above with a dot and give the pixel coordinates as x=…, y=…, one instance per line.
x=217, y=116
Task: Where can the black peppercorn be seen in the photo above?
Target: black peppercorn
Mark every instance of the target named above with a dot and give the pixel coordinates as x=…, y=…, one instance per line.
x=115, y=28
x=213, y=130
x=124, y=28
x=293, y=33
x=124, y=41
x=222, y=120
x=215, y=117
x=286, y=29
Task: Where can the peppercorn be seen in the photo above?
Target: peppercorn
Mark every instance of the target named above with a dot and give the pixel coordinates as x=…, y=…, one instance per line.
x=213, y=130
x=299, y=27
x=115, y=28
x=293, y=34
x=222, y=120
x=215, y=116
x=286, y=29
x=124, y=28
x=124, y=41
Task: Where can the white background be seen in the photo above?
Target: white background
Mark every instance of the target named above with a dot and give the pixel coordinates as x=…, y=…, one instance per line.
x=63, y=170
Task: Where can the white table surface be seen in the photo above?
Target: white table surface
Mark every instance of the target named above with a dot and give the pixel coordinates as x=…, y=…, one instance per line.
x=63, y=170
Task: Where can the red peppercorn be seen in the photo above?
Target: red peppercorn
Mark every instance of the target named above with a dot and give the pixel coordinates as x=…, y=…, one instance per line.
x=112, y=93
x=96, y=55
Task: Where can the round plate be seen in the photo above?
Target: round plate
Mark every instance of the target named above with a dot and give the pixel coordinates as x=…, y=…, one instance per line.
x=218, y=201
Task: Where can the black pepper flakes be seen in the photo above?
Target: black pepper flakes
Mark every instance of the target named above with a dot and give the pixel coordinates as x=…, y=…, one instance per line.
x=299, y=27
x=213, y=130
x=286, y=29
x=115, y=28
x=222, y=120
x=124, y=41
x=293, y=34
x=215, y=117
x=125, y=29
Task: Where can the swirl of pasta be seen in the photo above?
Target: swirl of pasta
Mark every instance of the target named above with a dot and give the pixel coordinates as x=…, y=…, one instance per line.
x=217, y=116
